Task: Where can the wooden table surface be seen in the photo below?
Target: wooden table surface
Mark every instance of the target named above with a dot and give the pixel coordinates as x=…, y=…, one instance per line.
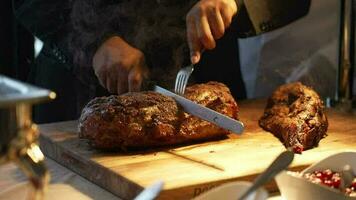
x=190, y=170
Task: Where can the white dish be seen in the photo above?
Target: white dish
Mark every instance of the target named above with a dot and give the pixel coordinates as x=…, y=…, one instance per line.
x=231, y=191
x=295, y=187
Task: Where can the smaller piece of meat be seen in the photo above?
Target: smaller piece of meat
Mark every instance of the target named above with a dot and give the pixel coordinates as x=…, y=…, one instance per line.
x=294, y=114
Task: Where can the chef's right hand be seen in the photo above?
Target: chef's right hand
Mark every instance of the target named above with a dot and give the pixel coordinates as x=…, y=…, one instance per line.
x=119, y=67
x=206, y=22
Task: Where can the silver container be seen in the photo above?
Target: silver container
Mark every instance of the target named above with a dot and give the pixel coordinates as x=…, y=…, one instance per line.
x=18, y=135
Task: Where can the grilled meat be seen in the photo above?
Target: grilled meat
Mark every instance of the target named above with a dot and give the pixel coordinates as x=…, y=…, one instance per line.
x=146, y=119
x=294, y=114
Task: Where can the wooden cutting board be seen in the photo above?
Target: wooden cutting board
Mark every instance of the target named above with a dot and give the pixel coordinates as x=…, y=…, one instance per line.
x=190, y=170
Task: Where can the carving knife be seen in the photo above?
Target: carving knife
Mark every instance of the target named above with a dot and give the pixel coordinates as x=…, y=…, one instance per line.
x=204, y=113
x=151, y=192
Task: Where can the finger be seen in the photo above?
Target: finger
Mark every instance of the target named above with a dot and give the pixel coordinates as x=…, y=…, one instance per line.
x=111, y=81
x=101, y=78
x=195, y=57
x=204, y=33
x=193, y=41
x=216, y=23
x=110, y=86
x=226, y=15
x=135, y=80
x=122, y=84
x=100, y=66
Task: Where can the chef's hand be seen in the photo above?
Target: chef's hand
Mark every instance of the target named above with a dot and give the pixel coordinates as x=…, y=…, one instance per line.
x=207, y=22
x=119, y=67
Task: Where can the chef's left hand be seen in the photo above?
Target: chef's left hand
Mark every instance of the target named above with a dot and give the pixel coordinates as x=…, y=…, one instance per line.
x=206, y=22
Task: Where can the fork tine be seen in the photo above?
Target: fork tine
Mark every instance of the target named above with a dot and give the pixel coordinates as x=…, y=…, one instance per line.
x=179, y=89
x=181, y=85
x=181, y=76
x=176, y=84
x=184, y=83
x=176, y=89
x=180, y=80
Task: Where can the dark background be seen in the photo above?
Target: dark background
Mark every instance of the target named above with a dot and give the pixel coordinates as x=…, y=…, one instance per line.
x=16, y=45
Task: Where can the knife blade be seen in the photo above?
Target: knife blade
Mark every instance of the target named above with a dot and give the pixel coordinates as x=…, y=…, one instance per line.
x=151, y=192
x=204, y=113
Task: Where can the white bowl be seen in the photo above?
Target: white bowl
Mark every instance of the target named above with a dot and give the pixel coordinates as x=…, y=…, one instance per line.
x=295, y=187
x=231, y=191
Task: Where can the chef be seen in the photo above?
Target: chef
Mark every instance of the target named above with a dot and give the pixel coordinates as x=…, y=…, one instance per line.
x=98, y=47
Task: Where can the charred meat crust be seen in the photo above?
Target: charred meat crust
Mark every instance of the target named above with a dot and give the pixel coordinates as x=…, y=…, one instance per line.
x=147, y=119
x=294, y=114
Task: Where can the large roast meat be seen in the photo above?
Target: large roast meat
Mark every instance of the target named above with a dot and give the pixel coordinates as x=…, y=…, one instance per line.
x=146, y=119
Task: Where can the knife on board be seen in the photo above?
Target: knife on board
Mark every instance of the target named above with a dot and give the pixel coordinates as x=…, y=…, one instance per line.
x=204, y=113
x=151, y=192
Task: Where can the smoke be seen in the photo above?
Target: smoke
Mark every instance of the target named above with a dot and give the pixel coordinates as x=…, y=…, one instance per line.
x=157, y=28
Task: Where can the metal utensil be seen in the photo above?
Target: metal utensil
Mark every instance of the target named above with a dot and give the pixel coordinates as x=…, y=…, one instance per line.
x=150, y=192
x=279, y=164
x=204, y=113
x=182, y=79
x=347, y=176
x=19, y=135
